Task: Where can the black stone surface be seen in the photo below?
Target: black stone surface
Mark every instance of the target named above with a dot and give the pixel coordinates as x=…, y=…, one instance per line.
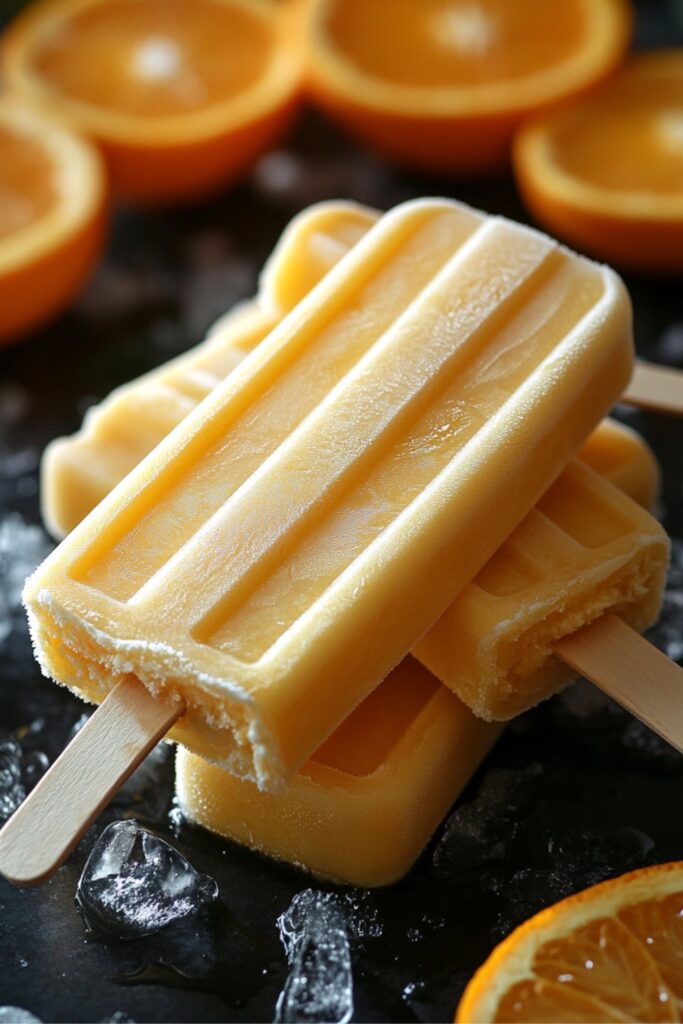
x=576, y=790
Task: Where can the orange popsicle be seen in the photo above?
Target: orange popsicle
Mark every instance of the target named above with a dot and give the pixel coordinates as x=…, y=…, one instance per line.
x=287, y=544
x=399, y=761
x=78, y=471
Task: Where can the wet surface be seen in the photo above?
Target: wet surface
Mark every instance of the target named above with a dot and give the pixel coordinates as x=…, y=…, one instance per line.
x=576, y=791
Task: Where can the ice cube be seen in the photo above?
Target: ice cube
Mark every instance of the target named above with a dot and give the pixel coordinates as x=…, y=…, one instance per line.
x=319, y=986
x=12, y=792
x=134, y=883
x=19, y=772
x=15, y=1015
x=362, y=916
x=483, y=830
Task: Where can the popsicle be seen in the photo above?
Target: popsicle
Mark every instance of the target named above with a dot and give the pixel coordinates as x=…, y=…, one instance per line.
x=404, y=755
x=78, y=471
x=585, y=550
x=287, y=544
x=398, y=761
x=623, y=457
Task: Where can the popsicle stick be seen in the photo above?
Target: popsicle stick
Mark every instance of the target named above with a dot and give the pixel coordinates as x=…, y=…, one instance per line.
x=631, y=671
x=658, y=388
x=44, y=830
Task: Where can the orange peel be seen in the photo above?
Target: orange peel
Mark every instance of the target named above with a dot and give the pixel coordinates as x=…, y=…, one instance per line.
x=613, y=952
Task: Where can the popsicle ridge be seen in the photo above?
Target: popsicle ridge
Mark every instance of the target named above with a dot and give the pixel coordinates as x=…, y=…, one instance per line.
x=584, y=550
x=309, y=522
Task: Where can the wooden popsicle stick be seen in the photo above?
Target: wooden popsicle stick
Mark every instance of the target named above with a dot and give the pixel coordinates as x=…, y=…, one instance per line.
x=41, y=834
x=657, y=388
x=631, y=671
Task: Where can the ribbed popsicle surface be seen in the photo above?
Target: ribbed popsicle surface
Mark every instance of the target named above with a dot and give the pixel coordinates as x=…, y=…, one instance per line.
x=280, y=548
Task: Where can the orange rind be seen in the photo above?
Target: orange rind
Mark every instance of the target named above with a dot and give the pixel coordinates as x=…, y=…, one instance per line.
x=441, y=85
x=611, y=953
x=53, y=201
x=607, y=172
x=180, y=95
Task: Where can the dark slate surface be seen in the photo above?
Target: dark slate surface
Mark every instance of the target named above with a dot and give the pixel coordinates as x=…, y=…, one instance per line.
x=576, y=790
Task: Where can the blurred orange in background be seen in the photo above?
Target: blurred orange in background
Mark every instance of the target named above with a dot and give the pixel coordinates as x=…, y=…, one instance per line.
x=442, y=86
x=181, y=95
x=53, y=198
x=607, y=172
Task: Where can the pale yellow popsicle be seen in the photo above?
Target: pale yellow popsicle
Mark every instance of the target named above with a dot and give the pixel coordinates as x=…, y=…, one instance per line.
x=403, y=756
x=361, y=810
x=586, y=549
x=78, y=471
x=289, y=542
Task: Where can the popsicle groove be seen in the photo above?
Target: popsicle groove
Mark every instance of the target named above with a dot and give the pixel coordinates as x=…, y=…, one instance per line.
x=388, y=416
x=380, y=294
x=256, y=718
x=426, y=445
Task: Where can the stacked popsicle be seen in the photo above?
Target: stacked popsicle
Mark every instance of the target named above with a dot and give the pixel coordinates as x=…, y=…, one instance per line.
x=340, y=499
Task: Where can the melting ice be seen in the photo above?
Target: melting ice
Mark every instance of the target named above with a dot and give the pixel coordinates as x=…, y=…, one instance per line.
x=134, y=883
x=320, y=982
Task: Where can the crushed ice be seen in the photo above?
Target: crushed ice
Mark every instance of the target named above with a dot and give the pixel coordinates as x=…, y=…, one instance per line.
x=19, y=772
x=134, y=884
x=22, y=547
x=482, y=831
x=319, y=986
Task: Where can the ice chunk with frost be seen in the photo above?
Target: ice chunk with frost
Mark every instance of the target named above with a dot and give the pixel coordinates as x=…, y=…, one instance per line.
x=135, y=883
x=482, y=831
x=19, y=772
x=319, y=986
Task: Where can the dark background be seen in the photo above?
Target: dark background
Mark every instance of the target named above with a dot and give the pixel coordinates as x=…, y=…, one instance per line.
x=576, y=790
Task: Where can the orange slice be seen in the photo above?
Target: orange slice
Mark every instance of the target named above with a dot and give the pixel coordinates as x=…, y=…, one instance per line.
x=611, y=953
x=181, y=95
x=442, y=85
x=53, y=199
x=607, y=173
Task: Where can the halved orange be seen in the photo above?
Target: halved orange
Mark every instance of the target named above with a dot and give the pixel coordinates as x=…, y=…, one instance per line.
x=181, y=95
x=611, y=953
x=441, y=85
x=607, y=172
x=53, y=199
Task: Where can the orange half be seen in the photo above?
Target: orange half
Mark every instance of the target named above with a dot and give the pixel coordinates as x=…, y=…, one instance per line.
x=181, y=95
x=442, y=85
x=607, y=172
x=611, y=953
x=53, y=199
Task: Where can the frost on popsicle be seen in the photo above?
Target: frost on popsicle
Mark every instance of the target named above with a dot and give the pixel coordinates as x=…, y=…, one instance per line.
x=319, y=986
x=134, y=884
